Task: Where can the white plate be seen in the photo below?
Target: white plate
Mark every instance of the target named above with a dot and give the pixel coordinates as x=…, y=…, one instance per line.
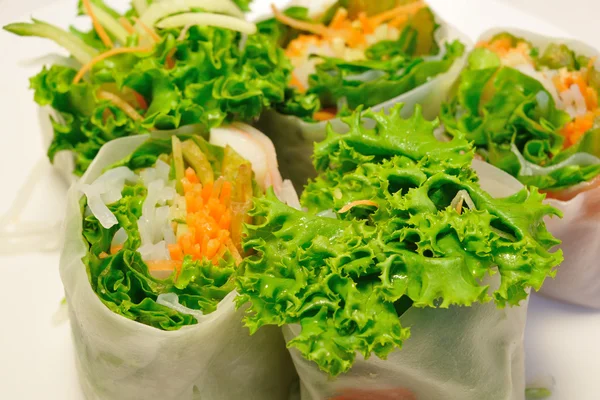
x=36, y=358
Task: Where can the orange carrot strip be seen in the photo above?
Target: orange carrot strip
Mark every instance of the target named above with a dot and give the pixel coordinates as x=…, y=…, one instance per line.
x=225, y=196
x=353, y=204
x=296, y=82
x=219, y=255
x=212, y=247
x=169, y=59
x=407, y=9
x=97, y=26
x=366, y=24
x=324, y=115
x=116, y=248
x=318, y=29
x=148, y=30
x=110, y=53
x=338, y=19
x=398, y=21
x=121, y=104
x=140, y=100
x=234, y=252
x=164, y=266
x=127, y=25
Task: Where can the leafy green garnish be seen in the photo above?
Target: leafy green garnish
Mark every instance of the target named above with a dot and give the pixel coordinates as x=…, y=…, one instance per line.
x=500, y=108
x=207, y=77
x=389, y=69
x=398, y=240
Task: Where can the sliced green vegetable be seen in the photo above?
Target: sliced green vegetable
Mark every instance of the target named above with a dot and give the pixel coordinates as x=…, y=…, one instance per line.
x=77, y=47
x=178, y=162
x=198, y=161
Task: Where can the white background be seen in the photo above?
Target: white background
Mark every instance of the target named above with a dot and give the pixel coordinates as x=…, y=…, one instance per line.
x=36, y=358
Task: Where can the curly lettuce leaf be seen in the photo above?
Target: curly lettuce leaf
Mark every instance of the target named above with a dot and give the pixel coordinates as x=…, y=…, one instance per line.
x=497, y=107
x=347, y=279
x=205, y=80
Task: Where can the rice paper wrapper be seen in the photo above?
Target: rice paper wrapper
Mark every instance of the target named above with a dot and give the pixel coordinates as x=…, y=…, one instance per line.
x=466, y=353
x=64, y=161
x=294, y=138
x=578, y=278
x=118, y=358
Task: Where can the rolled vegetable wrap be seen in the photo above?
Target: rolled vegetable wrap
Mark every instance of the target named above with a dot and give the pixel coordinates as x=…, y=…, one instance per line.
x=402, y=254
x=182, y=65
x=151, y=253
x=530, y=104
x=374, y=54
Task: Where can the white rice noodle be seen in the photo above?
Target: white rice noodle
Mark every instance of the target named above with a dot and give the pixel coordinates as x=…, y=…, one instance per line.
x=573, y=101
x=17, y=236
x=119, y=238
x=155, y=223
x=171, y=300
x=154, y=252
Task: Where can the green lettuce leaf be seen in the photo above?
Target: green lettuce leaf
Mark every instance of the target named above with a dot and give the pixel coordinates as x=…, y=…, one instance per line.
x=497, y=107
x=347, y=279
x=390, y=68
x=207, y=79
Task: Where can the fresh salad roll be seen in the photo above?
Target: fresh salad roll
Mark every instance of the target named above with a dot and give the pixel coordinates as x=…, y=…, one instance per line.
x=184, y=66
x=530, y=105
x=406, y=253
x=351, y=54
x=152, y=250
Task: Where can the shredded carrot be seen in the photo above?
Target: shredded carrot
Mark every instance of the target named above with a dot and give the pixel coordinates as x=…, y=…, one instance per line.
x=106, y=114
x=398, y=21
x=139, y=99
x=108, y=54
x=147, y=29
x=407, y=9
x=127, y=25
x=353, y=204
x=296, y=82
x=102, y=255
x=116, y=248
x=208, y=217
x=338, y=19
x=574, y=130
x=318, y=29
x=366, y=24
x=325, y=115
x=170, y=58
x=97, y=26
x=121, y=104
x=164, y=266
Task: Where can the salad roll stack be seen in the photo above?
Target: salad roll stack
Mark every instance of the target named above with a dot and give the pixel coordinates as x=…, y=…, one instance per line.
x=530, y=105
x=401, y=255
x=152, y=249
x=355, y=53
x=186, y=65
